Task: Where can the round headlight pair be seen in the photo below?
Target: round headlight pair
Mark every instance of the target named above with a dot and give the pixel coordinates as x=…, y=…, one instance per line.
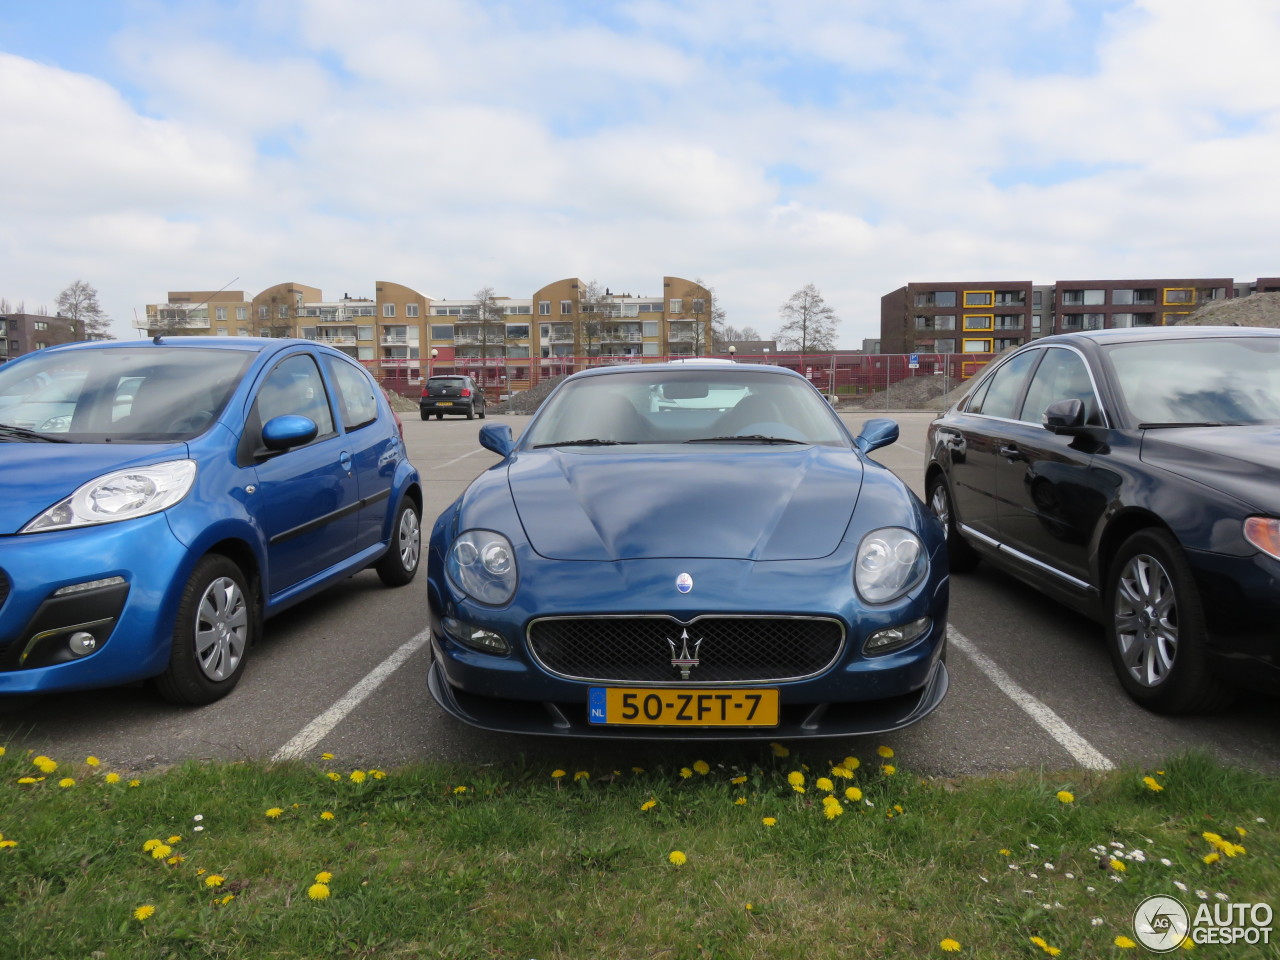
x=482, y=564
x=890, y=562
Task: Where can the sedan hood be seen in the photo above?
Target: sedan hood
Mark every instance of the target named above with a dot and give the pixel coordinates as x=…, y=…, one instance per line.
x=1240, y=461
x=762, y=503
x=35, y=476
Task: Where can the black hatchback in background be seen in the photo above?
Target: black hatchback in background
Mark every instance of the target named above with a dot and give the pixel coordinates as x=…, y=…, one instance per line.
x=1134, y=475
x=453, y=395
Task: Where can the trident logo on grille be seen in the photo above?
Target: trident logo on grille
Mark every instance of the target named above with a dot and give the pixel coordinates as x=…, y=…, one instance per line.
x=684, y=660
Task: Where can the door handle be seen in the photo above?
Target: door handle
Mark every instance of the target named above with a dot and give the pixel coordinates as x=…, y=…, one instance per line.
x=1011, y=453
x=344, y=460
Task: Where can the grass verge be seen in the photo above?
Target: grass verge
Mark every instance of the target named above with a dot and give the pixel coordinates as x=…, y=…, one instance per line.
x=792, y=857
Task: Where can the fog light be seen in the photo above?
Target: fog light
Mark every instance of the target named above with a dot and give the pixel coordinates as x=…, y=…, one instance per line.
x=486, y=641
x=894, y=638
x=82, y=644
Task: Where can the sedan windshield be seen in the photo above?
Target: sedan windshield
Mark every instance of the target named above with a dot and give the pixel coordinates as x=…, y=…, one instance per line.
x=731, y=405
x=1209, y=381
x=124, y=395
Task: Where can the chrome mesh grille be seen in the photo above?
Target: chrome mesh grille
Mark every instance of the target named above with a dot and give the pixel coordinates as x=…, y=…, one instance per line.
x=732, y=649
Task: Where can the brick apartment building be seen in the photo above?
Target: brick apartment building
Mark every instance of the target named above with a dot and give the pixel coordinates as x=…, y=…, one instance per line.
x=27, y=332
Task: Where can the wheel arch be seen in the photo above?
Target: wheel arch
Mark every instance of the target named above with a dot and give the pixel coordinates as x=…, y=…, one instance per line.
x=1118, y=530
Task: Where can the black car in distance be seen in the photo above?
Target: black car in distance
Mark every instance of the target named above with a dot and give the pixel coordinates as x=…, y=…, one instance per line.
x=453, y=395
x=1131, y=474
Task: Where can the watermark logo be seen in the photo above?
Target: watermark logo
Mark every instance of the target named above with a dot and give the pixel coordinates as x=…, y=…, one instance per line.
x=1161, y=924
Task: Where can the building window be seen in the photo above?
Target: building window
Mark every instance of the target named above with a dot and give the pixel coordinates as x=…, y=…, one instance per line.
x=1179, y=295
x=940, y=321
x=41, y=345
x=544, y=308
x=979, y=321
x=936, y=298
x=699, y=305
x=1009, y=321
x=979, y=298
x=517, y=331
x=263, y=314
x=977, y=345
x=1009, y=298
x=220, y=313
x=649, y=328
x=944, y=346
x=1035, y=322
x=388, y=309
x=283, y=311
x=1006, y=343
x=566, y=306
x=242, y=313
x=676, y=305
x=1171, y=318
x=410, y=309
x=442, y=331
x=40, y=325
x=1037, y=298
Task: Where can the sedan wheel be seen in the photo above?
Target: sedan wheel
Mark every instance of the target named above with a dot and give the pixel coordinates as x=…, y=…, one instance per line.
x=217, y=622
x=1157, y=628
x=962, y=557
x=400, y=563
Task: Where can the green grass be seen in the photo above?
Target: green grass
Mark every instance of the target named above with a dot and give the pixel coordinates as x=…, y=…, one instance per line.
x=436, y=861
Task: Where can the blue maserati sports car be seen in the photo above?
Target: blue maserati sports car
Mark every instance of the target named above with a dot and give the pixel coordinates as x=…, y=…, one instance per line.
x=688, y=551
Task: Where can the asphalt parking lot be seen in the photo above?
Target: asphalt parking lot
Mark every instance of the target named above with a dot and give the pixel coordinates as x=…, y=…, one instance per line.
x=1032, y=686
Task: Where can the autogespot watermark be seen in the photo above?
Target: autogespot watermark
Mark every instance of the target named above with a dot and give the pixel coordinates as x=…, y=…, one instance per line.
x=1162, y=923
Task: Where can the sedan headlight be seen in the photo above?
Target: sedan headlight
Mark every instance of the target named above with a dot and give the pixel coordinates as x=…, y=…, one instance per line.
x=120, y=495
x=482, y=564
x=1264, y=533
x=890, y=562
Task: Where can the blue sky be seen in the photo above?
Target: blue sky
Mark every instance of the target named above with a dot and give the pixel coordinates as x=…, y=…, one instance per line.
x=758, y=145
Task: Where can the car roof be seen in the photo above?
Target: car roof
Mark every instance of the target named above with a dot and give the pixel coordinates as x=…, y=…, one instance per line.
x=672, y=366
x=250, y=344
x=1137, y=334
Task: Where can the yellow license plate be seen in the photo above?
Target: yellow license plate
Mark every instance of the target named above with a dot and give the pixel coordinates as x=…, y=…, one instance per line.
x=444, y=403
x=647, y=706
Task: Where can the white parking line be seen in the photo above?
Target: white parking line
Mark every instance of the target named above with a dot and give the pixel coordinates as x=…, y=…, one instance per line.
x=1076, y=745
x=320, y=727
x=441, y=466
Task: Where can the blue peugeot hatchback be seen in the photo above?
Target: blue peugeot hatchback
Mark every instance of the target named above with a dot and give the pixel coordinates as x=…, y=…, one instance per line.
x=164, y=497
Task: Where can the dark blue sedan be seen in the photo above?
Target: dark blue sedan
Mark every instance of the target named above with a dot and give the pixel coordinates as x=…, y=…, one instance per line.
x=174, y=493
x=1132, y=474
x=688, y=551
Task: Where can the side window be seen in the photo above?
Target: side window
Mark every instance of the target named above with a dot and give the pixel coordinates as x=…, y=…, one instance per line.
x=295, y=387
x=1061, y=376
x=356, y=393
x=1006, y=387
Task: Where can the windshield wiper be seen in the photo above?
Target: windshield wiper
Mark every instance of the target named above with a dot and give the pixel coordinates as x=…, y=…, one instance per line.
x=1190, y=423
x=588, y=442
x=745, y=438
x=22, y=433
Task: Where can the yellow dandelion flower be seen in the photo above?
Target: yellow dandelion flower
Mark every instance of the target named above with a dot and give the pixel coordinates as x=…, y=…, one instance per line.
x=1212, y=837
x=823, y=783
x=557, y=774
x=223, y=901
x=1117, y=865
x=176, y=859
x=853, y=794
x=378, y=774
x=357, y=776
x=274, y=812
x=1066, y=796
x=842, y=773
x=1, y=751
x=648, y=804
x=160, y=851
x=1153, y=784
x=66, y=782
x=950, y=946
x=898, y=807
x=678, y=858
x=335, y=777
x=738, y=781
x=92, y=761
x=798, y=789
x=769, y=821
x=44, y=764
x=326, y=815
x=326, y=756
x=135, y=783
x=29, y=780
x=214, y=880
x=150, y=845
x=795, y=778
x=701, y=767
x=459, y=789
x=1124, y=943
x=1211, y=858
x=318, y=891
x=833, y=810
x=1051, y=951
x=112, y=778
x=851, y=763
x=581, y=775
x=888, y=769
x=174, y=839
x=740, y=802
x=1242, y=831
x=201, y=871
x=637, y=769
x=144, y=912
x=7, y=844
x=324, y=876
x=885, y=752
x=686, y=773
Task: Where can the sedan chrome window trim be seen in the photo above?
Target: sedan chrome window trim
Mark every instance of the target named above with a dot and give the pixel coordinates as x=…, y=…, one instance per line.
x=1005, y=548
x=1088, y=368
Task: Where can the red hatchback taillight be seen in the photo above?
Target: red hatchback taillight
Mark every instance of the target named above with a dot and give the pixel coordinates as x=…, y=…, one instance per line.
x=426, y=392
x=466, y=391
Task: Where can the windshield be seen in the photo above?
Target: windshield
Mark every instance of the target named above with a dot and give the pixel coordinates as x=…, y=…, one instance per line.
x=119, y=395
x=662, y=405
x=1233, y=380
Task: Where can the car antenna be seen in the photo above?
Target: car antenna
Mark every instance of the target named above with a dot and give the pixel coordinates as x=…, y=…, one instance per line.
x=156, y=338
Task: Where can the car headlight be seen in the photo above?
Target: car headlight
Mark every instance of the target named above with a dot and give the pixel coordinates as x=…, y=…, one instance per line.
x=120, y=495
x=1264, y=533
x=482, y=564
x=890, y=562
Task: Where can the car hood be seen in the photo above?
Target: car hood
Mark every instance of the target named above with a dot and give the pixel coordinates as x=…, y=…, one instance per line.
x=35, y=476
x=1240, y=461
x=762, y=503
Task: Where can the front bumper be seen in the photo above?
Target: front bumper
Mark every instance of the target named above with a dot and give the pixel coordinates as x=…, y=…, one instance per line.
x=51, y=597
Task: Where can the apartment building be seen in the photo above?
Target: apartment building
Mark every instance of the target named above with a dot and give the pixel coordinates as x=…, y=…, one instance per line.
x=402, y=334
x=27, y=332
x=991, y=316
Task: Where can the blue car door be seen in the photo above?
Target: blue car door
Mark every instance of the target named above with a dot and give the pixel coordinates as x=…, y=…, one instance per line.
x=309, y=494
x=374, y=444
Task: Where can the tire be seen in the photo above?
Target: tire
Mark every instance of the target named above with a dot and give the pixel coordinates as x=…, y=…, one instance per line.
x=424, y=415
x=484, y=409
x=962, y=558
x=1156, y=630
x=471, y=412
x=216, y=624
x=400, y=563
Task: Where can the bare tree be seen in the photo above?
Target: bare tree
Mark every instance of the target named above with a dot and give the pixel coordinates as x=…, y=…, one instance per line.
x=809, y=324
x=79, y=304
x=593, y=303
x=491, y=316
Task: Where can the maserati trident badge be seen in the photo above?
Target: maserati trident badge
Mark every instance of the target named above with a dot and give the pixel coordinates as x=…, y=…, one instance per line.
x=684, y=660
x=684, y=583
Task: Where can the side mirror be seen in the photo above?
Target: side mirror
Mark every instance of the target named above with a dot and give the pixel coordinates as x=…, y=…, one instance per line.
x=1064, y=416
x=497, y=437
x=290, y=430
x=877, y=433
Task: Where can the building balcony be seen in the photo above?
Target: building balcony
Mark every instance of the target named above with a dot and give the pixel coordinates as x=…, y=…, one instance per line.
x=395, y=340
x=337, y=340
